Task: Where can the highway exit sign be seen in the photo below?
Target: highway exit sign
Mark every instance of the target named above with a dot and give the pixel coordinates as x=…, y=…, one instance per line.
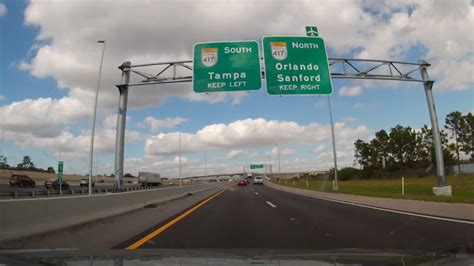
x=59, y=175
x=296, y=65
x=226, y=66
x=256, y=166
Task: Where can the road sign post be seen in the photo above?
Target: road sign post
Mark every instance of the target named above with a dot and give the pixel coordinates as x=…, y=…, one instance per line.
x=226, y=66
x=296, y=65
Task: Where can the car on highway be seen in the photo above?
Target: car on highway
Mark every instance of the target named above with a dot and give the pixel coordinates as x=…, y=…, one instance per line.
x=258, y=180
x=48, y=184
x=64, y=185
x=242, y=182
x=85, y=182
x=21, y=181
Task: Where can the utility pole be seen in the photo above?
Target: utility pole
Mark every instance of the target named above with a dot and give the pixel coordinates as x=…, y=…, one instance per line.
x=278, y=151
x=205, y=163
x=91, y=152
x=180, y=155
x=335, y=187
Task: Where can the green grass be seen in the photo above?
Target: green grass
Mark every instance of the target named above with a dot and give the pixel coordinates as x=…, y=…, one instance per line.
x=415, y=188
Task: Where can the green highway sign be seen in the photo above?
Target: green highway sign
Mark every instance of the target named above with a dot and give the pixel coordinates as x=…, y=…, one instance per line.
x=296, y=65
x=312, y=31
x=256, y=166
x=226, y=66
x=59, y=175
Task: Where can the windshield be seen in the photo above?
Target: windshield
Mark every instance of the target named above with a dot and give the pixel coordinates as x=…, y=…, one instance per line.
x=237, y=125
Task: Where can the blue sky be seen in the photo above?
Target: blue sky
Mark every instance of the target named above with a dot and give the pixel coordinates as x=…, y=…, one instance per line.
x=50, y=64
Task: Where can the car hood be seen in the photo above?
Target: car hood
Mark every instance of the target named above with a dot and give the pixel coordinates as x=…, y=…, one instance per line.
x=228, y=256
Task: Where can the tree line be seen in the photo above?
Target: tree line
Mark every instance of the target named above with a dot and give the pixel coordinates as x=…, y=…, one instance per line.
x=25, y=165
x=403, y=148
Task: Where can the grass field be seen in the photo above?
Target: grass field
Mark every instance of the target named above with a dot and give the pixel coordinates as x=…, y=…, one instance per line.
x=415, y=188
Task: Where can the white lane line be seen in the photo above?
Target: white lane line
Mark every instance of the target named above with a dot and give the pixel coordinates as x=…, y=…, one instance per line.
x=256, y=193
x=271, y=204
x=389, y=210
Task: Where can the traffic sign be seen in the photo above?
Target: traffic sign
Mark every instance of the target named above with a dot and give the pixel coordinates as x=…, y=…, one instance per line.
x=312, y=31
x=59, y=175
x=296, y=65
x=256, y=166
x=226, y=66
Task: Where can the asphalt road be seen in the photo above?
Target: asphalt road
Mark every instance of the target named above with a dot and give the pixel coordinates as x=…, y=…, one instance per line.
x=261, y=217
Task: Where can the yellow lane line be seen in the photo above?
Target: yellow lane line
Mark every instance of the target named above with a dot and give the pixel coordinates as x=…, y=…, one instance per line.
x=171, y=223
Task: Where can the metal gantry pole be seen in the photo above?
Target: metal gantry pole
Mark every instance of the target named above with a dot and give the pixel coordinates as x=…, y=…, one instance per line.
x=91, y=151
x=336, y=186
x=121, y=120
x=428, y=84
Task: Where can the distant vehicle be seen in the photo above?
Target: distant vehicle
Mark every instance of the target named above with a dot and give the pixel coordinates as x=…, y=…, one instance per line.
x=249, y=175
x=242, y=182
x=48, y=184
x=101, y=181
x=258, y=180
x=64, y=185
x=21, y=181
x=85, y=182
x=149, y=179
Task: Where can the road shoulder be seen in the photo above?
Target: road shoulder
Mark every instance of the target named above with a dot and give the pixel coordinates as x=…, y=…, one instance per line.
x=462, y=211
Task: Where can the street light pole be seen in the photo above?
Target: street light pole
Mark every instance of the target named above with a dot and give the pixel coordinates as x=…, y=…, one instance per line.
x=91, y=152
x=205, y=163
x=335, y=186
x=278, y=150
x=179, y=155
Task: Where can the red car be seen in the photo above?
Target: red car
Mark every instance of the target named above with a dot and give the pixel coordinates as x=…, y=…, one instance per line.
x=21, y=181
x=242, y=182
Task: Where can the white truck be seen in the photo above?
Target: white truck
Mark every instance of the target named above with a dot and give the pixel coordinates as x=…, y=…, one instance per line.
x=149, y=179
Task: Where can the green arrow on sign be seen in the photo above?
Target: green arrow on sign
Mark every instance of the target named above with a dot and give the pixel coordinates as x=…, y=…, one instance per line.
x=312, y=31
x=226, y=66
x=296, y=65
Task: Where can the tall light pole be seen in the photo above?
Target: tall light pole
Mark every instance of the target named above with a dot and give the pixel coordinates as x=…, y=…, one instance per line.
x=205, y=163
x=3, y=135
x=91, y=152
x=278, y=150
x=335, y=186
x=179, y=154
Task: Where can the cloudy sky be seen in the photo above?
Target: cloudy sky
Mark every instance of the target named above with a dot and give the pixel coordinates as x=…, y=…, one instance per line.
x=50, y=60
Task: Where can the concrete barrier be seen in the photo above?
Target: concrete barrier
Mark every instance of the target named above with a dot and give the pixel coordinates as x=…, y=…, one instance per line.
x=24, y=217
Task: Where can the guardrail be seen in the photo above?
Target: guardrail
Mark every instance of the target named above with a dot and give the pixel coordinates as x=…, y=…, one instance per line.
x=35, y=193
x=25, y=217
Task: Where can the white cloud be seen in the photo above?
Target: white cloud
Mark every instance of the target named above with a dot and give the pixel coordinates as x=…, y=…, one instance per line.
x=232, y=154
x=375, y=30
x=283, y=152
x=363, y=105
x=319, y=148
x=351, y=91
x=248, y=133
x=320, y=104
x=70, y=146
x=157, y=124
x=349, y=119
x=42, y=116
x=3, y=10
x=2, y=97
